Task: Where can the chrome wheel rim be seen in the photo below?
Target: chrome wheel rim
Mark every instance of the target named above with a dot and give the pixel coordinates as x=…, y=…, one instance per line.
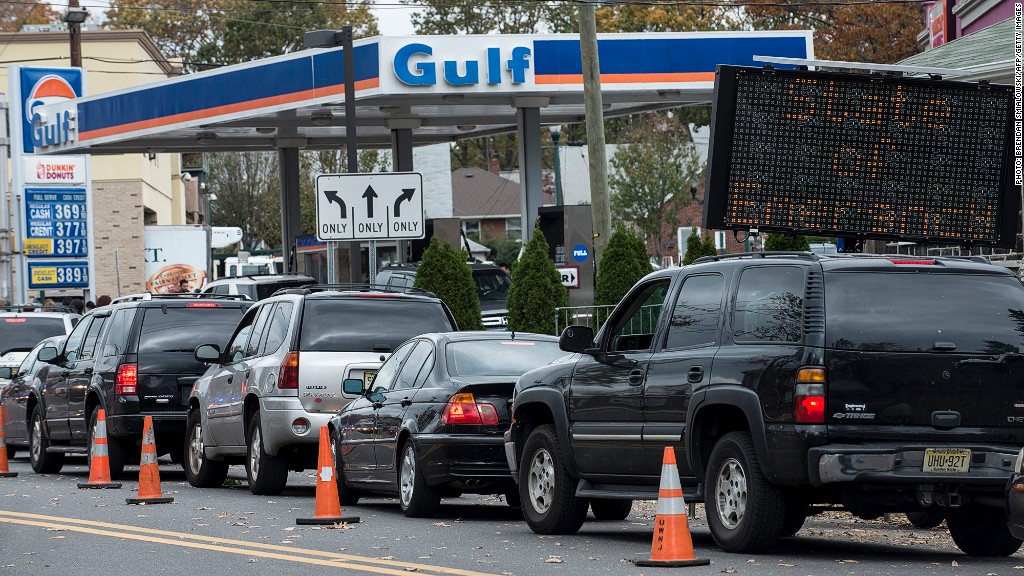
x=195, y=448
x=37, y=439
x=541, y=483
x=408, y=475
x=255, y=445
x=731, y=493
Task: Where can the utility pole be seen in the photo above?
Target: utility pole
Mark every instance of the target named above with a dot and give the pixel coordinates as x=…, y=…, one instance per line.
x=594, y=109
x=74, y=18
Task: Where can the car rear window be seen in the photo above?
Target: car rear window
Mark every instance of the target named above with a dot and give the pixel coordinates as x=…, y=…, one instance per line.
x=492, y=284
x=176, y=329
x=477, y=358
x=24, y=332
x=267, y=290
x=360, y=324
x=911, y=312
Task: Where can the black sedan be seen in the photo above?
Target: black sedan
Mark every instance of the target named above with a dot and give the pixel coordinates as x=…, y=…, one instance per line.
x=431, y=423
x=23, y=391
x=1015, y=499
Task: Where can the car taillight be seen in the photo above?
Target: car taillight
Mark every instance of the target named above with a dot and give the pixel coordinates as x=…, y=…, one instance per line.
x=288, y=374
x=14, y=320
x=127, y=379
x=464, y=409
x=917, y=262
x=809, y=396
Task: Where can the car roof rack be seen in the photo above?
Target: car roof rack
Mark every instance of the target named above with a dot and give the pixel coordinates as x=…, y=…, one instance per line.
x=259, y=276
x=145, y=296
x=312, y=288
x=771, y=254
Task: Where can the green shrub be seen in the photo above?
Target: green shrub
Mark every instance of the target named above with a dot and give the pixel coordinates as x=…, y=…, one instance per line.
x=698, y=246
x=536, y=289
x=623, y=263
x=786, y=243
x=447, y=274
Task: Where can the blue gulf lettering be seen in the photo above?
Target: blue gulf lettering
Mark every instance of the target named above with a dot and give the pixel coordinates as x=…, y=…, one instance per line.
x=494, y=65
x=451, y=73
x=425, y=74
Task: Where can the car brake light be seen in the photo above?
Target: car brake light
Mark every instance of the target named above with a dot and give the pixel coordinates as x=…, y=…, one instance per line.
x=922, y=262
x=809, y=396
x=127, y=379
x=361, y=295
x=464, y=409
x=14, y=320
x=288, y=374
x=204, y=305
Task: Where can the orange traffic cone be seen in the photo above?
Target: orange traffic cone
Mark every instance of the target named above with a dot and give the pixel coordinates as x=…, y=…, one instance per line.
x=99, y=465
x=149, y=472
x=328, y=509
x=672, y=544
x=4, y=471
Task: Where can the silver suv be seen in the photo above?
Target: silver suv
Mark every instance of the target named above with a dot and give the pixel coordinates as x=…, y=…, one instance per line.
x=264, y=399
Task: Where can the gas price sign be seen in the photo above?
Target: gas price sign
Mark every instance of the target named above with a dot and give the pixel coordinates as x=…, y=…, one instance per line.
x=51, y=274
x=56, y=222
x=870, y=156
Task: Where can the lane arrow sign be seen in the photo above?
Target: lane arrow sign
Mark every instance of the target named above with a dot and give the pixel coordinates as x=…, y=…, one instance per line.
x=332, y=197
x=405, y=196
x=369, y=195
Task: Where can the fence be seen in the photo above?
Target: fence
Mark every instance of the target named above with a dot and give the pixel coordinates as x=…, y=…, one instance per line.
x=644, y=321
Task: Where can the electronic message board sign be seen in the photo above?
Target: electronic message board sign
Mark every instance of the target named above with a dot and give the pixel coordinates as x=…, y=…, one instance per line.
x=861, y=155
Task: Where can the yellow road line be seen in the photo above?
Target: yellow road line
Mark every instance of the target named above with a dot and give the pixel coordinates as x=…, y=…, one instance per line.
x=334, y=559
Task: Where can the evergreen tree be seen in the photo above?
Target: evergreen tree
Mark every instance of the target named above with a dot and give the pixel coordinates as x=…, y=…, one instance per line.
x=536, y=289
x=624, y=262
x=698, y=246
x=786, y=243
x=447, y=274
x=709, y=248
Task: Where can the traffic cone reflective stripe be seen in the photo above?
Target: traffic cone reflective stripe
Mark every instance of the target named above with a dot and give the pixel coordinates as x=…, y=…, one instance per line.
x=5, y=472
x=99, y=465
x=327, y=509
x=149, y=471
x=672, y=545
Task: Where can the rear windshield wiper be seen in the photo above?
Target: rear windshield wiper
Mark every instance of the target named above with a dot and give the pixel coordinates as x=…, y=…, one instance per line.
x=1001, y=359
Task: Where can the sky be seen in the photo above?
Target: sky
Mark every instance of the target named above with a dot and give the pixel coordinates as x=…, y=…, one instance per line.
x=394, y=20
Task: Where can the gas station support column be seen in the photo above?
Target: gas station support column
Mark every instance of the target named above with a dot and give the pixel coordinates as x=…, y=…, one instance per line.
x=290, y=215
x=530, y=174
x=401, y=161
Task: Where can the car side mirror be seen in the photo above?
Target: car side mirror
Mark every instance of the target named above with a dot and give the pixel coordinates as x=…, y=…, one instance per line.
x=353, y=386
x=578, y=339
x=207, y=354
x=48, y=354
x=7, y=372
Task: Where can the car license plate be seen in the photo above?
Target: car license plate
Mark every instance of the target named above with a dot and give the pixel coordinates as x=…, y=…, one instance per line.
x=368, y=378
x=944, y=460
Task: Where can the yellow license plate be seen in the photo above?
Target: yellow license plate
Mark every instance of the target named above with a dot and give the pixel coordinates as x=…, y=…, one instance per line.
x=944, y=460
x=368, y=377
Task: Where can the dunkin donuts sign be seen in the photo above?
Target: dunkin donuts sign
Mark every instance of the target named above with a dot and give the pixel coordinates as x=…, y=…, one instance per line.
x=54, y=169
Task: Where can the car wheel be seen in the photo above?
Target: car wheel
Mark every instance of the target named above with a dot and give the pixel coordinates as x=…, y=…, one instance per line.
x=268, y=475
x=926, y=519
x=795, y=516
x=117, y=452
x=982, y=531
x=417, y=498
x=347, y=495
x=200, y=471
x=745, y=511
x=606, y=509
x=42, y=462
x=548, y=492
x=512, y=498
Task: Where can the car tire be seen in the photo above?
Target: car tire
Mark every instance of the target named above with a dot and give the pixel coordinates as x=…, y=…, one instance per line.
x=745, y=511
x=926, y=519
x=512, y=498
x=607, y=509
x=548, y=492
x=347, y=495
x=42, y=462
x=116, y=449
x=982, y=531
x=268, y=475
x=795, y=516
x=416, y=497
x=11, y=453
x=200, y=471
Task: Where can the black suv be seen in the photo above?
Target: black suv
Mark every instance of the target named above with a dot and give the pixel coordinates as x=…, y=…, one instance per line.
x=492, y=284
x=133, y=358
x=787, y=383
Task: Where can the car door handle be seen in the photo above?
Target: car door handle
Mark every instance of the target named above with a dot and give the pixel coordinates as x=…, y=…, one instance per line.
x=406, y=402
x=695, y=375
x=636, y=377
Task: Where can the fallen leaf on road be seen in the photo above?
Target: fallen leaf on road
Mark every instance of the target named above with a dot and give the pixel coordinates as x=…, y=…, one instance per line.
x=554, y=560
x=57, y=537
x=592, y=558
x=223, y=515
x=253, y=560
x=204, y=508
x=954, y=564
x=729, y=571
x=752, y=561
x=847, y=561
x=787, y=565
x=441, y=524
x=411, y=569
x=289, y=529
x=385, y=558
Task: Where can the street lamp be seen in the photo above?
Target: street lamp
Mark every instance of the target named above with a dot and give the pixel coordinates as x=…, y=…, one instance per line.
x=556, y=133
x=74, y=18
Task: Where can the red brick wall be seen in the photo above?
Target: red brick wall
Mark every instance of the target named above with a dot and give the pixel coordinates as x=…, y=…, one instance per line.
x=689, y=215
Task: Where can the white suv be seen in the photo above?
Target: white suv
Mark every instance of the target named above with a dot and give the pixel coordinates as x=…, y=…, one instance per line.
x=263, y=400
x=20, y=331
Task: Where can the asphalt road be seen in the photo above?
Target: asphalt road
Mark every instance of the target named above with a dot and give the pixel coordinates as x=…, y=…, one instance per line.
x=48, y=526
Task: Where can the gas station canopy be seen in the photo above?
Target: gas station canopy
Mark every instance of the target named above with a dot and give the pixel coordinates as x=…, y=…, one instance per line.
x=441, y=88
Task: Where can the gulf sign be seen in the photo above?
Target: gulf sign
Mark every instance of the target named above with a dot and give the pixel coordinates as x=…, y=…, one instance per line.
x=42, y=86
x=439, y=64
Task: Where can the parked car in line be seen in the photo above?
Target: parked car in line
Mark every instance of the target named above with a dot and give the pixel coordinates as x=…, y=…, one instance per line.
x=20, y=331
x=492, y=284
x=279, y=379
x=132, y=358
x=24, y=380
x=431, y=422
x=1015, y=498
x=257, y=287
x=787, y=384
